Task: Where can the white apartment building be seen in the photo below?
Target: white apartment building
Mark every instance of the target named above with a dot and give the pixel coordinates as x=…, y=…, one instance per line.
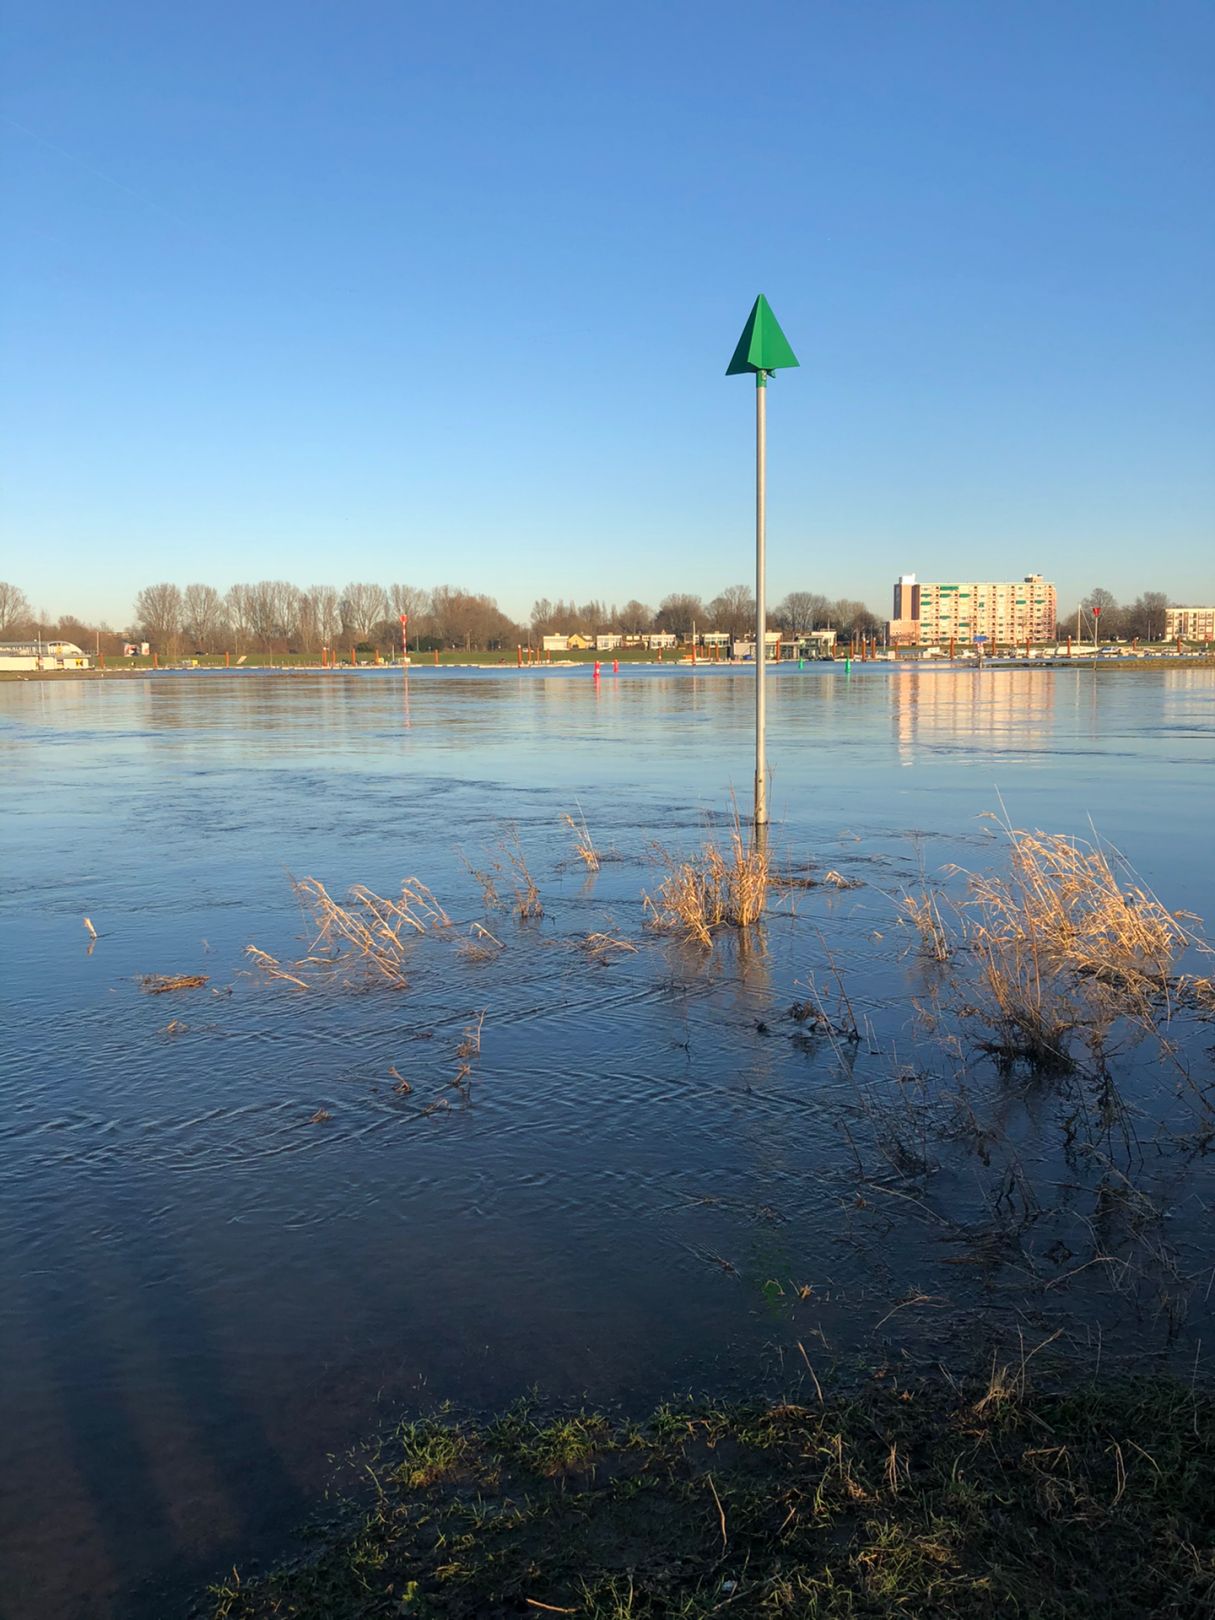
x=929, y=613
x=1189, y=624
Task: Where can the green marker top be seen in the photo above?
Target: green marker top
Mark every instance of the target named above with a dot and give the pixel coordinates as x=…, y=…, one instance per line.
x=763, y=347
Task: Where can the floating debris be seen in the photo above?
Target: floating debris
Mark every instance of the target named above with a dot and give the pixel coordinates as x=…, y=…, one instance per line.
x=158, y=984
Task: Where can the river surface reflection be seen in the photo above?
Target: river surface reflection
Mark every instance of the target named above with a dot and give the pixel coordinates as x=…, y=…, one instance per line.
x=205, y=1293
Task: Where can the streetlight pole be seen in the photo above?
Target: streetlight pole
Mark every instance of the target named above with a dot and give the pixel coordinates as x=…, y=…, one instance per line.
x=762, y=349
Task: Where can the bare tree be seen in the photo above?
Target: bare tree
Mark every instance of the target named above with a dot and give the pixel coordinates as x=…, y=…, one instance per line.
x=411, y=600
x=362, y=608
x=562, y=617
x=202, y=616
x=14, y=606
x=678, y=613
x=273, y=612
x=238, y=603
x=1144, y=619
x=803, y=610
x=460, y=618
x=158, y=612
x=635, y=618
x=1103, y=605
x=852, y=618
x=734, y=612
x=320, y=619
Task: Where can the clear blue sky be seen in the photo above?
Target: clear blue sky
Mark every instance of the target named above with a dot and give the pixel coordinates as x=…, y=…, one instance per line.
x=444, y=291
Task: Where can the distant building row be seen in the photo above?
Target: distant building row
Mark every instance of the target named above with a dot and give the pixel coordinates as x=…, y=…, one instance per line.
x=42, y=655
x=606, y=641
x=814, y=642
x=929, y=614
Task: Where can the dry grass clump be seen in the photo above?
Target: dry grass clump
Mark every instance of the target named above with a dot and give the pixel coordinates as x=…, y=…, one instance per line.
x=487, y=879
x=468, y=1051
x=601, y=944
x=481, y=946
x=923, y=912
x=528, y=904
x=716, y=889
x=584, y=846
x=159, y=984
x=837, y=880
x=271, y=968
x=366, y=938
x=1068, y=941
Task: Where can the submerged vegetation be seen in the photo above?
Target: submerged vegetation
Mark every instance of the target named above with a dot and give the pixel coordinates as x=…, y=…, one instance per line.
x=1034, y=985
x=1061, y=951
x=910, y=1497
x=584, y=844
x=364, y=939
x=718, y=888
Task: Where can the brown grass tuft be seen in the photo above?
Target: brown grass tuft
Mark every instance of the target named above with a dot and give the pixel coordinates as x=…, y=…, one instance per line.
x=584, y=846
x=600, y=945
x=714, y=890
x=159, y=984
x=367, y=938
x=482, y=946
x=1068, y=941
x=923, y=912
x=528, y=904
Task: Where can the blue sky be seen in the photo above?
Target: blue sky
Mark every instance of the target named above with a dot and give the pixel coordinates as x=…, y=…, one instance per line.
x=445, y=292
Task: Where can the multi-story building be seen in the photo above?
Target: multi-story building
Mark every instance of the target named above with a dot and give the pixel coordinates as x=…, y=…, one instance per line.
x=927, y=614
x=904, y=627
x=1189, y=624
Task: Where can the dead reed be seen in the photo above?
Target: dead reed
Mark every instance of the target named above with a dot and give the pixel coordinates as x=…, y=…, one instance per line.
x=716, y=889
x=601, y=945
x=481, y=946
x=1068, y=941
x=367, y=938
x=528, y=904
x=468, y=1051
x=923, y=912
x=271, y=968
x=486, y=878
x=584, y=846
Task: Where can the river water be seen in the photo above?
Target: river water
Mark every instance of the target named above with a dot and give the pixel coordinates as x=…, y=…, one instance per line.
x=653, y=1179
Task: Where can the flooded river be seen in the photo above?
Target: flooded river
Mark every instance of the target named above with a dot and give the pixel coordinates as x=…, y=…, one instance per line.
x=232, y=1242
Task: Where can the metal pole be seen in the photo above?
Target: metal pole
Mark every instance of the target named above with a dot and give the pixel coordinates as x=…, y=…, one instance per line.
x=761, y=476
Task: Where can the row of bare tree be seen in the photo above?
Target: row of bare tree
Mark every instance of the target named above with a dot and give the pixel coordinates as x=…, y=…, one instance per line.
x=1140, y=620
x=272, y=615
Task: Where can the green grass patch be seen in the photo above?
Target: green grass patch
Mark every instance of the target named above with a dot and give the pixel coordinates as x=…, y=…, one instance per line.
x=909, y=1499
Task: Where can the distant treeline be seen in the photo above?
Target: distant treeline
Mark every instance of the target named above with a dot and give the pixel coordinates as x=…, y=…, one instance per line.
x=276, y=616
x=273, y=615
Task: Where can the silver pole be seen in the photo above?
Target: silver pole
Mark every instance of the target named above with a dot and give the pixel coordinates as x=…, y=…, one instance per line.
x=761, y=617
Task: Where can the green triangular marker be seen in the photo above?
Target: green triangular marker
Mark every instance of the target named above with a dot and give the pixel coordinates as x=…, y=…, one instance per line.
x=763, y=347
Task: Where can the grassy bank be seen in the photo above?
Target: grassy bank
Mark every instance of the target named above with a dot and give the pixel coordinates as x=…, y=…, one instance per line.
x=909, y=1498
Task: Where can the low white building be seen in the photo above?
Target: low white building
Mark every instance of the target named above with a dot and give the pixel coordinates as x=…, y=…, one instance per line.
x=660, y=638
x=746, y=649
x=555, y=643
x=608, y=640
x=42, y=655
